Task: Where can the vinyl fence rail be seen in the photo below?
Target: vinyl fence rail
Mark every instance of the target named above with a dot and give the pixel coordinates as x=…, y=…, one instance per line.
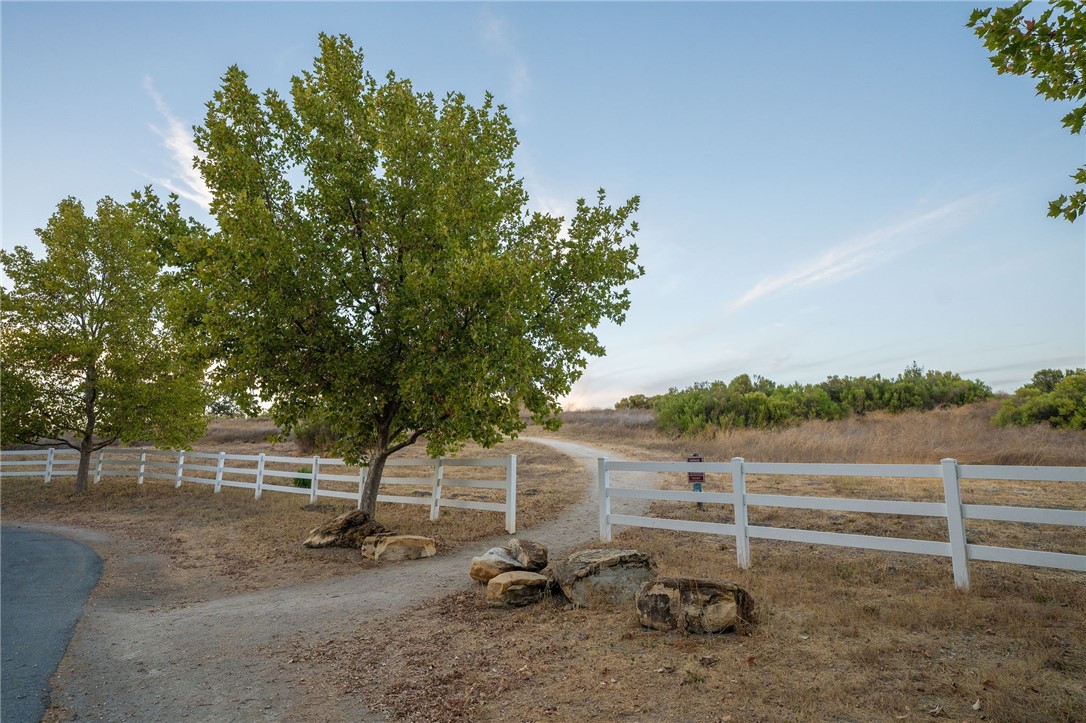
x=958, y=549
x=261, y=473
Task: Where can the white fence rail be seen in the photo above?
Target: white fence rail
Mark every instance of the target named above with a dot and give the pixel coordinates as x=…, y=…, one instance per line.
x=958, y=548
x=326, y=476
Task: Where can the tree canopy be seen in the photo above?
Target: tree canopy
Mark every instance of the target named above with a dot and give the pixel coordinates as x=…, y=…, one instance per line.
x=1052, y=49
x=88, y=358
x=376, y=267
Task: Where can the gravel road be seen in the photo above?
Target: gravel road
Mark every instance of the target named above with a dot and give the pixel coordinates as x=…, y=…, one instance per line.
x=215, y=660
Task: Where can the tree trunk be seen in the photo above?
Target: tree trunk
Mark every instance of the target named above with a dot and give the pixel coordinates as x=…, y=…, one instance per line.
x=86, y=446
x=86, y=449
x=373, y=481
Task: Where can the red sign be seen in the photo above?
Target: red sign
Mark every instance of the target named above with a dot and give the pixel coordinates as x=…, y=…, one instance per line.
x=693, y=477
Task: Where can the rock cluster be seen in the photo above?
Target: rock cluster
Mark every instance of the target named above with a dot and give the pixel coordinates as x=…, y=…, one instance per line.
x=347, y=530
x=517, y=574
x=357, y=529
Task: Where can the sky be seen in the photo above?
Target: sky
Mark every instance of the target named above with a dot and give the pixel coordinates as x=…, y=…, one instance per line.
x=826, y=188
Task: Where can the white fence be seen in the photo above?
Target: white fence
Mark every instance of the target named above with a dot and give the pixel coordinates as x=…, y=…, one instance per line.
x=958, y=548
x=232, y=470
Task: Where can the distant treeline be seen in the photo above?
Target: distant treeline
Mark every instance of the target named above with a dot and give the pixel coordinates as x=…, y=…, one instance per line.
x=760, y=402
x=1055, y=397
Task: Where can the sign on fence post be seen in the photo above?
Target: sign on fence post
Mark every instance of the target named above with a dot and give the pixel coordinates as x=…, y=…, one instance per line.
x=696, y=478
x=313, y=482
x=98, y=466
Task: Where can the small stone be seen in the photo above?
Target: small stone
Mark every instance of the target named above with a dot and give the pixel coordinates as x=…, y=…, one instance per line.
x=515, y=589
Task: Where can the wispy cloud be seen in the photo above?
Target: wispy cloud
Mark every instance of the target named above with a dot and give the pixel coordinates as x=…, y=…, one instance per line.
x=854, y=257
x=186, y=182
x=498, y=36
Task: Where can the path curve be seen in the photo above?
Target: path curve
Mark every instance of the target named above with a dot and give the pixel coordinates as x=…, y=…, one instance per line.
x=210, y=661
x=44, y=584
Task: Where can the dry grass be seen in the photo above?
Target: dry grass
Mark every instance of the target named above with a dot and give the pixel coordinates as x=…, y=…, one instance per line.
x=229, y=542
x=843, y=635
x=964, y=433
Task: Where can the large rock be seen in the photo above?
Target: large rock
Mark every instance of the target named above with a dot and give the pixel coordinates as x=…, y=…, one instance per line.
x=393, y=548
x=348, y=530
x=603, y=575
x=694, y=606
x=532, y=556
x=488, y=566
x=516, y=588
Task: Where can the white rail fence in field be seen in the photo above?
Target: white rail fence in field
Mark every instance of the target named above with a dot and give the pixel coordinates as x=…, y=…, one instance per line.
x=958, y=548
x=326, y=476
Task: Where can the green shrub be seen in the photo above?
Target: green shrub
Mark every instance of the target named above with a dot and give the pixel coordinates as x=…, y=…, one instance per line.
x=1055, y=397
x=313, y=438
x=304, y=482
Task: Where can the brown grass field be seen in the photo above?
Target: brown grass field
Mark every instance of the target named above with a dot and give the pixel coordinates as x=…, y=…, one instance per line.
x=843, y=635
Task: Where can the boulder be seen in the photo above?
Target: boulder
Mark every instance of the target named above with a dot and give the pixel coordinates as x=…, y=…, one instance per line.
x=496, y=561
x=693, y=605
x=516, y=588
x=603, y=575
x=393, y=548
x=532, y=556
x=348, y=530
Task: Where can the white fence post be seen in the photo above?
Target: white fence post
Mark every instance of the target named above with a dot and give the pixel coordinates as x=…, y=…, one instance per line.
x=511, y=495
x=259, y=475
x=180, y=468
x=98, y=466
x=218, y=471
x=605, y=502
x=955, y=523
x=739, y=491
x=49, y=465
x=435, y=494
x=313, y=483
x=143, y=465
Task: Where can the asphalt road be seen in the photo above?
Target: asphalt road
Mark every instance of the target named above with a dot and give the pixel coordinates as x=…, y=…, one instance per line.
x=44, y=585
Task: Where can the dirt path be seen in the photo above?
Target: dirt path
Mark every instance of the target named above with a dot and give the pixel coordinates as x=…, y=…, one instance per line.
x=220, y=660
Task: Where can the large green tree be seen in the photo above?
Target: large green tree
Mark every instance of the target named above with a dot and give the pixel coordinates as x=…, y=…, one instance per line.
x=1051, y=48
x=376, y=269
x=87, y=356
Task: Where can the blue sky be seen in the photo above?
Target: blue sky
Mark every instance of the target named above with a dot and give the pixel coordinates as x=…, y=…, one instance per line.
x=827, y=188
